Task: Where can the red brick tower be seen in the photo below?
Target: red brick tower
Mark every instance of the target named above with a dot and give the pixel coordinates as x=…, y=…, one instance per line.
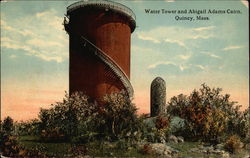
x=99, y=34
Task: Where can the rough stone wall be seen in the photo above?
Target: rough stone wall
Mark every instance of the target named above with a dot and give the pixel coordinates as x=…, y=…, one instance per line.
x=157, y=97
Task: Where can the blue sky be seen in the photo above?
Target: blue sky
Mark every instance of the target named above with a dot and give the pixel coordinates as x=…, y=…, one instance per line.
x=34, y=52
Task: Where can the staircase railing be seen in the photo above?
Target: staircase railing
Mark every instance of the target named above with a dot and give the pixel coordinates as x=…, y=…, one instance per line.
x=112, y=65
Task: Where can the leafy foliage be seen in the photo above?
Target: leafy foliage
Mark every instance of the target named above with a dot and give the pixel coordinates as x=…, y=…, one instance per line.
x=8, y=125
x=240, y=124
x=79, y=120
x=65, y=119
x=233, y=144
x=207, y=114
x=30, y=127
x=117, y=117
x=156, y=129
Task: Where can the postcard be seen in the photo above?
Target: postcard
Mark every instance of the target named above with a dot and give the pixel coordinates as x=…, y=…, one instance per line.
x=109, y=78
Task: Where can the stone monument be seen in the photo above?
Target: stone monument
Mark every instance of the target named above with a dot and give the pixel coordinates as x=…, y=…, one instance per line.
x=157, y=97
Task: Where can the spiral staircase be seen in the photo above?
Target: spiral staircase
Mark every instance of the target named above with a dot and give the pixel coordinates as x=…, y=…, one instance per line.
x=113, y=70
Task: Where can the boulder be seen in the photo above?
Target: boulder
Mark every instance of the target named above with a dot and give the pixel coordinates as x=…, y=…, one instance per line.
x=211, y=150
x=173, y=139
x=219, y=146
x=162, y=150
x=180, y=139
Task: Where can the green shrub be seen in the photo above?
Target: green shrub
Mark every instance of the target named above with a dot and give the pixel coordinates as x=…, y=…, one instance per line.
x=233, y=144
x=207, y=114
x=117, y=118
x=239, y=124
x=7, y=125
x=67, y=119
x=162, y=122
x=79, y=120
x=30, y=127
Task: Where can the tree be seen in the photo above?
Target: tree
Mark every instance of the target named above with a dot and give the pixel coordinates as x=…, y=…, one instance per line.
x=207, y=113
x=117, y=117
x=63, y=119
x=7, y=125
x=78, y=119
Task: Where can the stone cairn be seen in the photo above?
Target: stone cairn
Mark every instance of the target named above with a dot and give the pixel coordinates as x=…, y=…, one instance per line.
x=157, y=97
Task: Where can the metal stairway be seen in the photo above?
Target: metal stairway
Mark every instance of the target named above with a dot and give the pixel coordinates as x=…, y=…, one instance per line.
x=108, y=61
x=114, y=67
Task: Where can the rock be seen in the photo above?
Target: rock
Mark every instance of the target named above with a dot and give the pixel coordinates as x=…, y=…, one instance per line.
x=247, y=156
x=210, y=150
x=225, y=155
x=173, y=139
x=180, y=139
x=150, y=122
x=162, y=140
x=219, y=146
x=163, y=150
x=157, y=97
x=241, y=145
x=217, y=151
x=194, y=149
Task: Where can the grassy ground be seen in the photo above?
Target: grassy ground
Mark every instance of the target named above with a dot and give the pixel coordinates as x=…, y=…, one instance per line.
x=102, y=150
x=61, y=149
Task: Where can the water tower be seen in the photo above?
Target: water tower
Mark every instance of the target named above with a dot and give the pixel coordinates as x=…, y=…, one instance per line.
x=99, y=47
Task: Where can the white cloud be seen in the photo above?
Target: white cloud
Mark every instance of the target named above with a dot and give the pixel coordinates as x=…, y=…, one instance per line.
x=147, y=38
x=43, y=14
x=204, y=28
x=176, y=34
x=200, y=66
x=5, y=39
x=180, y=43
x=18, y=46
x=201, y=36
x=211, y=55
x=231, y=48
x=181, y=67
x=184, y=57
x=137, y=1
x=215, y=56
x=13, y=56
x=172, y=68
x=170, y=0
x=50, y=58
x=23, y=32
x=40, y=35
x=42, y=43
x=152, y=66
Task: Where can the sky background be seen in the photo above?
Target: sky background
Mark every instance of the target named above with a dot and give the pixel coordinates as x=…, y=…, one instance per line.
x=34, y=52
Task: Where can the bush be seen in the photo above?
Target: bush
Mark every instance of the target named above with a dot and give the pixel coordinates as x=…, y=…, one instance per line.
x=7, y=125
x=156, y=129
x=66, y=119
x=31, y=127
x=117, y=118
x=81, y=121
x=239, y=124
x=146, y=149
x=162, y=122
x=11, y=148
x=233, y=144
x=207, y=114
